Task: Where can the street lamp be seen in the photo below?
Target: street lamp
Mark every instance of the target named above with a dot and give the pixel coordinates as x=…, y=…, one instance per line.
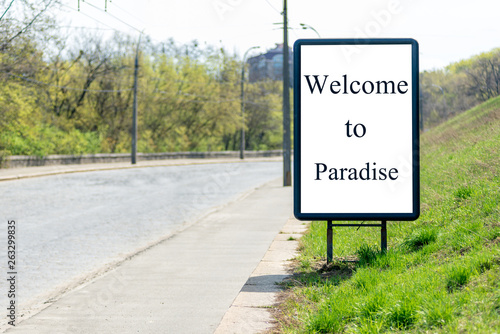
x=242, y=142
x=307, y=26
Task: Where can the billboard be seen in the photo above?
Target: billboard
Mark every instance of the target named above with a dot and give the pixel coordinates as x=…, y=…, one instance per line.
x=356, y=134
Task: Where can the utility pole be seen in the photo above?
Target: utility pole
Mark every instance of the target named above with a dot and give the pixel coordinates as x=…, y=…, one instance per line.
x=134, y=116
x=287, y=173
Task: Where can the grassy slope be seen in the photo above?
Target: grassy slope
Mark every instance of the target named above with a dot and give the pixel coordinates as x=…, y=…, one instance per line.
x=441, y=273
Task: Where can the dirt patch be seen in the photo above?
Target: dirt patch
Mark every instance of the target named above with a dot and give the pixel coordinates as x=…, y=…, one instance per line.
x=282, y=313
x=342, y=268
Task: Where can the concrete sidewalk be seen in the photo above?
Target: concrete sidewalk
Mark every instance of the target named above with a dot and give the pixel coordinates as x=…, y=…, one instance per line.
x=187, y=283
x=249, y=313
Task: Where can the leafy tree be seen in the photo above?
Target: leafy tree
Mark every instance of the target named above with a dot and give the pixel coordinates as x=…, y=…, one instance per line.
x=459, y=86
x=483, y=74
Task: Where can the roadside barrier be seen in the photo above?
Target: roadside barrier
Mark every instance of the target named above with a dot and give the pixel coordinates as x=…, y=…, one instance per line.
x=17, y=161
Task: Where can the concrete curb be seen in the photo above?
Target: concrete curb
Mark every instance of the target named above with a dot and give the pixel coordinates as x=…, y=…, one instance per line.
x=249, y=312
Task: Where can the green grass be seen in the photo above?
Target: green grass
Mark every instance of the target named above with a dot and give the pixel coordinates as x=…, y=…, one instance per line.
x=441, y=273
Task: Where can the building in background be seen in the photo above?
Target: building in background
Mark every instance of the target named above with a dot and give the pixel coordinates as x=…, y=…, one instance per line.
x=269, y=65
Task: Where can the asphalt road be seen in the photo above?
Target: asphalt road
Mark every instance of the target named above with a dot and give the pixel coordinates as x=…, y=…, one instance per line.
x=69, y=226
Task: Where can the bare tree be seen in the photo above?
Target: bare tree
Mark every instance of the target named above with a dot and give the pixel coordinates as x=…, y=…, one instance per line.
x=23, y=17
x=484, y=76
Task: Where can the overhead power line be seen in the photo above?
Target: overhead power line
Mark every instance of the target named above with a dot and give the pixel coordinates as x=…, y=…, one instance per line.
x=129, y=14
x=105, y=4
x=86, y=28
x=93, y=18
x=271, y=5
x=116, y=18
x=6, y=10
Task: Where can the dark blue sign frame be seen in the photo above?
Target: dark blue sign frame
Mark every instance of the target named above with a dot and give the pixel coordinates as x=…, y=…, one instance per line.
x=415, y=132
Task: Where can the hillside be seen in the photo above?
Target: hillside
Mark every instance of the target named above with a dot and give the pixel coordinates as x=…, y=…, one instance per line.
x=441, y=273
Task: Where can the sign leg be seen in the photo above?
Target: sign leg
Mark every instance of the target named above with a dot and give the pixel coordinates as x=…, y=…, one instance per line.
x=383, y=236
x=329, y=242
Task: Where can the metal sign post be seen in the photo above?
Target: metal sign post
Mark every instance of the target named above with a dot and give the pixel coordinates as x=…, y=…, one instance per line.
x=356, y=139
x=329, y=236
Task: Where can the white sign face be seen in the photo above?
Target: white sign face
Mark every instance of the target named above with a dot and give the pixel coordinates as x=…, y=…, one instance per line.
x=356, y=123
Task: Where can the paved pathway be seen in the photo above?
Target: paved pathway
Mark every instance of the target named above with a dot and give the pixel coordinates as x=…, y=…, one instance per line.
x=185, y=284
x=71, y=226
x=250, y=311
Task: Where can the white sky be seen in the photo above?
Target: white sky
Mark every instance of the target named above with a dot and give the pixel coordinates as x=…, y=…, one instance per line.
x=447, y=30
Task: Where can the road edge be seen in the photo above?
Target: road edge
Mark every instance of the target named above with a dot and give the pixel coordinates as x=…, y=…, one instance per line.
x=7, y=174
x=250, y=312
x=83, y=280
